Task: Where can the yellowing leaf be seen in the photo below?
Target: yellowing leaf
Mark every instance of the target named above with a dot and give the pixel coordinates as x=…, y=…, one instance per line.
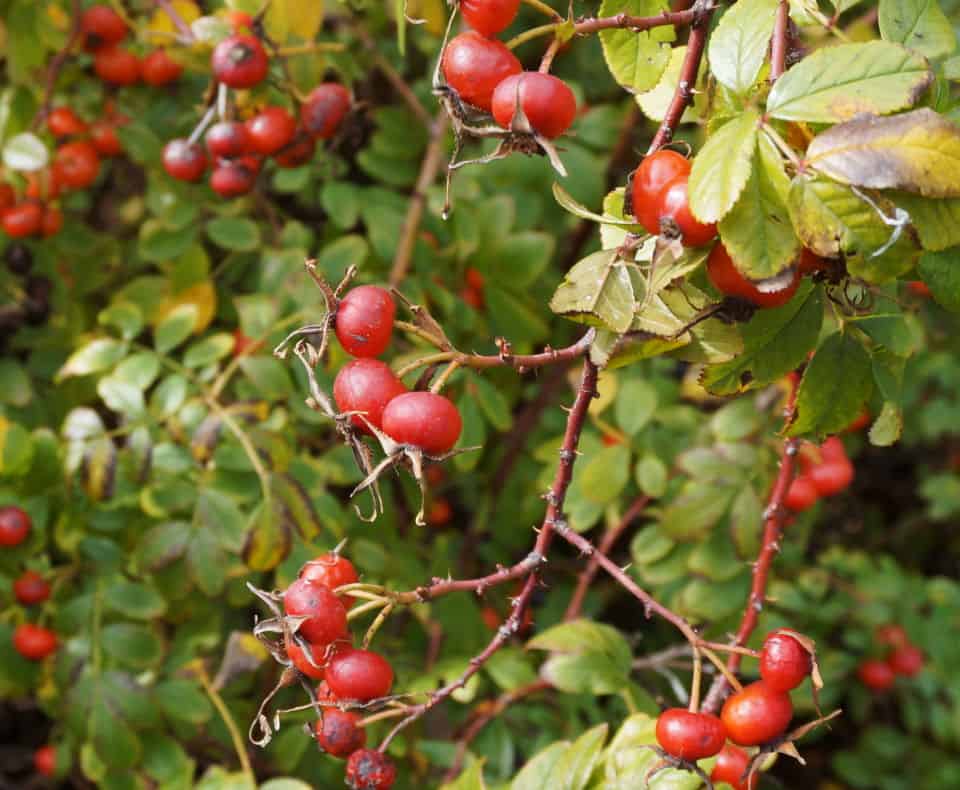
x=654, y=102
x=202, y=295
x=636, y=60
x=287, y=18
x=161, y=22
x=919, y=25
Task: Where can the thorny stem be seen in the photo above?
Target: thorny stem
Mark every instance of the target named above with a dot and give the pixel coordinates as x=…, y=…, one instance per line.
x=778, y=43
x=590, y=25
x=774, y=516
x=555, y=498
x=57, y=64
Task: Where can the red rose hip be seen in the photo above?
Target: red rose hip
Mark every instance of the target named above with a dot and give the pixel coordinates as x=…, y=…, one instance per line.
x=24, y=219
x=424, y=420
x=63, y=122
x=364, y=321
x=690, y=736
x=101, y=26
x=474, y=66
x=117, y=66
x=270, y=130
x=784, y=662
x=802, y=494
x=232, y=178
x=31, y=588
x=489, y=17
x=653, y=174
x=726, y=279
x=184, y=160
x=907, y=660
x=369, y=769
x=876, y=675
x=239, y=62
x=731, y=767
x=34, y=642
x=337, y=732
x=673, y=203
x=360, y=675
x=15, y=526
x=326, y=615
x=160, y=69
x=103, y=137
x=333, y=571
x=547, y=102
x=367, y=386
x=228, y=139
x=757, y=714
x=45, y=760
x=324, y=110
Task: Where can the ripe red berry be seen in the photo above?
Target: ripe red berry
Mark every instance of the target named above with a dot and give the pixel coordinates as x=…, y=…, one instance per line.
x=326, y=615
x=101, y=27
x=832, y=477
x=160, y=69
x=52, y=222
x=333, y=571
x=337, y=732
x=34, y=642
x=63, y=122
x=673, y=202
x=24, y=219
x=297, y=152
x=756, y=715
x=651, y=176
x=547, y=102
x=298, y=658
x=76, y=164
x=45, y=760
x=228, y=139
x=239, y=61
x=31, y=588
x=364, y=321
x=360, y=675
x=489, y=17
x=439, y=513
x=7, y=196
x=833, y=450
x=726, y=279
x=907, y=661
x=367, y=386
x=876, y=675
x=368, y=769
x=233, y=177
x=859, y=422
x=271, y=130
x=892, y=635
x=731, y=767
x=240, y=20
x=117, y=66
x=324, y=109
x=103, y=136
x=919, y=288
x=474, y=66
x=474, y=278
x=810, y=263
x=802, y=494
x=784, y=662
x=42, y=185
x=424, y=420
x=184, y=160
x=690, y=736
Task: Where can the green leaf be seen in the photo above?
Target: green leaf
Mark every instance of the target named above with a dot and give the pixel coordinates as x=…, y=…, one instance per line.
x=234, y=233
x=603, y=476
x=598, y=290
x=837, y=83
x=584, y=636
x=827, y=402
x=510, y=669
x=916, y=151
x=577, y=763
x=121, y=396
x=25, y=152
x=630, y=762
x=636, y=59
x=136, y=601
x=722, y=167
x=93, y=357
x=494, y=405
x=535, y=774
x=757, y=232
x=206, y=562
x=209, y=350
x=941, y=272
x=775, y=342
x=16, y=448
x=635, y=405
x=567, y=201
x=586, y=673
x=695, y=511
x=296, y=505
x=469, y=779
x=654, y=103
x=125, y=316
x=113, y=738
x=183, y=701
x=17, y=389
x=888, y=426
x=937, y=222
x=134, y=645
x=268, y=538
x=166, y=762
x=651, y=475
x=176, y=327
x=341, y=201
x=920, y=25
x=269, y=375
x=739, y=43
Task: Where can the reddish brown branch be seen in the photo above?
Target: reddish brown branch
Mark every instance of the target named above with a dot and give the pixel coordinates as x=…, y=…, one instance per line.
x=555, y=498
x=774, y=517
x=57, y=64
x=637, y=24
x=440, y=587
x=610, y=537
x=699, y=29
x=778, y=43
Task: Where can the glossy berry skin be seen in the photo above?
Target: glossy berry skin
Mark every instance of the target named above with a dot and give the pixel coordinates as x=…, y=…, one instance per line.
x=690, y=736
x=63, y=122
x=228, y=139
x=324, y=110
x=919, y=288
x=892, y=635
x=184, y=160
x=337, y=732
x=326, y=615
x=298, y=658
x=52, y=222
x=45, y=760
x=160, y=69
x=653, y=174
x=832, y=477
x=673, y=202
x=31, y=588
x=726, y=279
x=784, y=662
x=24, y=219
x=117, y=66
x=101, y=27
x=333, y=571
x=547, y=102
x=7, y=196
x=424, y=420
x=364, y=321
x=103, y=137
x=833, y=450
x=76, y=164
x=731, y=767
x=42, y=185
x=366, y=385
x=802, y=494
x=756, y=715
x=907, y=661
x=489, y=17
x=368, y=769
x=271, y=130
x=360, y=675
x=297, y=152
x=232, y=178
x=239, y=62
x=876, y=675
x=810, y=263
x=439, y=513
x=34, y=642
x=474, y=66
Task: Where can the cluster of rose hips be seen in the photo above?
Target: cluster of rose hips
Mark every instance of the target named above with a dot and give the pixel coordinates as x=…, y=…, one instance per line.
x=487, y=76
x=236, y=149
x=372, y=393
x=757, y=715
x=903, y=658
x=825, y=471
x=320, y=649
x=103, y=30
x=33, y=642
